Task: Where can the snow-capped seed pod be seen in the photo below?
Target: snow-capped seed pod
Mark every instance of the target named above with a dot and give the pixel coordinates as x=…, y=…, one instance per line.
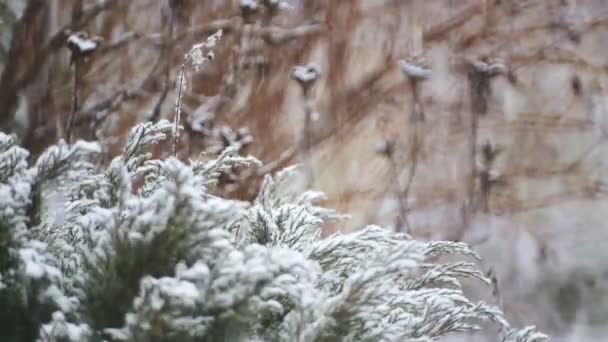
x=414, y=71
x=306, y=75
x=81, y=45
x=488, y=68
x=479, y=73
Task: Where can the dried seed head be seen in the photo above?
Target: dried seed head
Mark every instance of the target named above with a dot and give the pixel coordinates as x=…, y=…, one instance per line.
x=306, y=75
x=488, y=67
x=81, y=45
x=414, y=71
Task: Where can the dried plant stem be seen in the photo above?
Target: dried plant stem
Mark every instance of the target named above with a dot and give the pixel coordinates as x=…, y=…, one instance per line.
x=477, y=108
x=76, y=16
x=417, y=116
x=70, y=122
x=231, y=82
x=178, y=109
x=308, y=141
x=411, y=174
x=472, y=159
x=402, y=217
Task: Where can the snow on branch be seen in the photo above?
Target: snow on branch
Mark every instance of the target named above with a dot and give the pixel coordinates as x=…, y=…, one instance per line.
x=306, y=75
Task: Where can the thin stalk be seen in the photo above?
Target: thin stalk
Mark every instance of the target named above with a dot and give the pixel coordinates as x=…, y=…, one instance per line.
x=417, y=116
x=68, y=128
x=477, y=108
x=76, y=16
x=402, y=217
x=178, y=110
x=473, y=160
x=308, y=141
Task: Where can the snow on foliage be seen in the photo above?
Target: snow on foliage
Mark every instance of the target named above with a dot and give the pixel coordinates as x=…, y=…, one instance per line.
x=171, y=262
x=528, y=334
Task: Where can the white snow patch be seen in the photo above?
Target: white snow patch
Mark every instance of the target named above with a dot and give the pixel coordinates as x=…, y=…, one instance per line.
x=306, y=73
x=82, y=43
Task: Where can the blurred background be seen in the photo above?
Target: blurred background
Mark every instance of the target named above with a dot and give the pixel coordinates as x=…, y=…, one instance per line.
x=512, y=162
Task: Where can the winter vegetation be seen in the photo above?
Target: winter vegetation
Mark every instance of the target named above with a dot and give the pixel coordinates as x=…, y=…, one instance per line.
x=86, y=256
x=140, y=249
x=303, y=170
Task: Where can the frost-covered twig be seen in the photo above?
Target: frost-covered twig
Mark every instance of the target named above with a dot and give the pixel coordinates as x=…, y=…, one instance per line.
x=197, y=56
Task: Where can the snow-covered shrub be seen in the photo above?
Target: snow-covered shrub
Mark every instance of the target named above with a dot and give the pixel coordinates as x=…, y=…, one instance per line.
x=87, y=256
